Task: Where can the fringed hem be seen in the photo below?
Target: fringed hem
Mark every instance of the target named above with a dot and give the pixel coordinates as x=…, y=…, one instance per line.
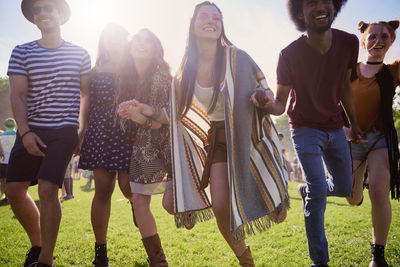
x=190, y=218
x=263, y=223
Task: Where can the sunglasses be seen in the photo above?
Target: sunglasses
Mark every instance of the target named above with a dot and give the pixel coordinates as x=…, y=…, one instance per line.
x=374, y=37
x=203, y=16
x=36, y=10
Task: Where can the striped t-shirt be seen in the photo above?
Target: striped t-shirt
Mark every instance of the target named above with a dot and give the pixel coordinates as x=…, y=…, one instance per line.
x=53, y=82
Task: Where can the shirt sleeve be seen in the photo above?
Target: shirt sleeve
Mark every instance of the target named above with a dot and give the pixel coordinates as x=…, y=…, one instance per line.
x=283, y=74
x=17, y=64
x=86, y=64
x=354, y=57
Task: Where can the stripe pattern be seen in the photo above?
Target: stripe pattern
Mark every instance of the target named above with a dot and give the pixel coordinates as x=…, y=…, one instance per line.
x=53, y=81
x=258, y=178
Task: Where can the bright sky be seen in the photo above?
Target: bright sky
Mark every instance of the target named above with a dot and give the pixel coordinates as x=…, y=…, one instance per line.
x=260, y=27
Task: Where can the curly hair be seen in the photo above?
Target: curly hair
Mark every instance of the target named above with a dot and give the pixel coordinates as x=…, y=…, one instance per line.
x=296, y=6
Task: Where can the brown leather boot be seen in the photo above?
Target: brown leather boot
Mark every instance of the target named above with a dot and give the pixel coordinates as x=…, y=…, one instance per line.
x=246, y=259
x=155, y=252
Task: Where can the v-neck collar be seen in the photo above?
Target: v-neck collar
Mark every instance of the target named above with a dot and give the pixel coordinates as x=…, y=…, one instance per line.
x=309, y=47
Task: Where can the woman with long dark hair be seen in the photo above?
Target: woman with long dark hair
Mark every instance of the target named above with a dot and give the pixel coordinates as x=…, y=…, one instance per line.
x=219, y=137
x=106, y=148
x=374, y=90
x=144, y=87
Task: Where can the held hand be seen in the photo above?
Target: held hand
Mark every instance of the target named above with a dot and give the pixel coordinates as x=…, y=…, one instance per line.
x=33, y=143
x=356, y=134
x=261, y=98
x=2, y=157
x=81, y=135
x=133, y=113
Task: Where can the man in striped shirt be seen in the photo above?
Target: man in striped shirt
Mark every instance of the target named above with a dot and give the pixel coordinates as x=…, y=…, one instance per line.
x=48, y=78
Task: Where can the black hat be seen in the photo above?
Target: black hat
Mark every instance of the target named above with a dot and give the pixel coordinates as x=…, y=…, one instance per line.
x=62, y=7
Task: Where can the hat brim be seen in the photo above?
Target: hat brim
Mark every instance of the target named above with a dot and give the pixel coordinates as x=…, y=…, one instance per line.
x=62, y=7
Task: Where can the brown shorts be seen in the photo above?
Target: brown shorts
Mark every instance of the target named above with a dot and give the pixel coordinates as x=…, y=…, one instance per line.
x=216, y=149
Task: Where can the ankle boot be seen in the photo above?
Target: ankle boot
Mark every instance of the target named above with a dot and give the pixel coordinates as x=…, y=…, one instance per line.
x=100, y=258
x=378, y=256
x=155, y=252
x=246, y=259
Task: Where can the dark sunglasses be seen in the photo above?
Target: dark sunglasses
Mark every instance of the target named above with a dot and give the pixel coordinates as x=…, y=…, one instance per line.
x=36, y=10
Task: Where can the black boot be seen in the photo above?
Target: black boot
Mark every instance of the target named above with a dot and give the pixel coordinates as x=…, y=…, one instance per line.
x=378, y=256
x=100, y=258
x=32, y=256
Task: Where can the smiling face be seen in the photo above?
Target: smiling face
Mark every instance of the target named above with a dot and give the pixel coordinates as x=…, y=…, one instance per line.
x=377, y=41
x=143, y=46
x=208, y=23
x=317, y=15
x=46, y=16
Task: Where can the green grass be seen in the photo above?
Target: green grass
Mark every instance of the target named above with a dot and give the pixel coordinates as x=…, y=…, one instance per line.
x=348, y=231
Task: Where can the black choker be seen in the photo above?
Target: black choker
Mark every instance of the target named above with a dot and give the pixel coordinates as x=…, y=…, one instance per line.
x=374, y=63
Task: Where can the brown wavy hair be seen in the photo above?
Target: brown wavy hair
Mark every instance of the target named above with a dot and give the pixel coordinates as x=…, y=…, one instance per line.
x=186, y=75
x=391, y=26
x=129, y=86
x=296, y=6
x=102, y=54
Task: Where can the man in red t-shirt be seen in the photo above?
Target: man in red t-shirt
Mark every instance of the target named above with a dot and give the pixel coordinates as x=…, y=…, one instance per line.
x=315, y=70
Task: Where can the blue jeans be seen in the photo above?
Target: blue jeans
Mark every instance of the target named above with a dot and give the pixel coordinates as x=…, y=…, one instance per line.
x=314, y=148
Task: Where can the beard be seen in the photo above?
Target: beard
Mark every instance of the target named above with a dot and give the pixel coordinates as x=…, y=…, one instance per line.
x=319, y=29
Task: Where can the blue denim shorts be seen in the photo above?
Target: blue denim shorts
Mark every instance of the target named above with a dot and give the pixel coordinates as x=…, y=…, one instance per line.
x=376, y=140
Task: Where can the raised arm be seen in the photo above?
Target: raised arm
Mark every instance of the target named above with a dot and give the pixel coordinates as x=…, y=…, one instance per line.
x=18, y=96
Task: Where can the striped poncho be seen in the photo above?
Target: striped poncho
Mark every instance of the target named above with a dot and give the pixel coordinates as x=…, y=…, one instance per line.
x=257, y=175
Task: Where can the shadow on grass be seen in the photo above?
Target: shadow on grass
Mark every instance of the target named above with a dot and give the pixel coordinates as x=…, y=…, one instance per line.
x=327, y=202
x=86, y=188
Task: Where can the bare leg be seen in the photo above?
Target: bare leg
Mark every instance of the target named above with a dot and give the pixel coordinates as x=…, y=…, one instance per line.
x=379, y=187
x=358, y=178
x=123, y=183
x=144, y=218
x=50, y=218
x=219, y=189
x=2, y=186
x=25, y=210
x=101, y=204
x=168, y=201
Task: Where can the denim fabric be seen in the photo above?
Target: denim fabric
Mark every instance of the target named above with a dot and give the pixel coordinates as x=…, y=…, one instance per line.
x=314, y=148
x=376, y=140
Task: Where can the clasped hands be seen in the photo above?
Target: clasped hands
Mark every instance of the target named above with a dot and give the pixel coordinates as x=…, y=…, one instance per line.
x=262, y=98
x=138, y=112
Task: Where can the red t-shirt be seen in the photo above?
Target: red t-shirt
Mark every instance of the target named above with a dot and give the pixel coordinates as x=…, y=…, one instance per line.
x=317, y=80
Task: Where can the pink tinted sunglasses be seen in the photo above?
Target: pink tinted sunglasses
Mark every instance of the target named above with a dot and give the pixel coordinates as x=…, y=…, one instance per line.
x=203, y=16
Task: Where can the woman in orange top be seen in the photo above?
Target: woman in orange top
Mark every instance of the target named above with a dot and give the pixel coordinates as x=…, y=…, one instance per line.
x=374, y=90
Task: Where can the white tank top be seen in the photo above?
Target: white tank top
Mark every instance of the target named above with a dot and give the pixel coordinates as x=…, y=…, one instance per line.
x=203, y=98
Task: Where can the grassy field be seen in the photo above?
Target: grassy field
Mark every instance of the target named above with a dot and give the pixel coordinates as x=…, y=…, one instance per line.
x=348, y=232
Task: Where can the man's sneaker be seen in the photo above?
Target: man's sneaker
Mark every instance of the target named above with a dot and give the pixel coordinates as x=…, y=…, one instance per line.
x=301, y=189
x=32, y=256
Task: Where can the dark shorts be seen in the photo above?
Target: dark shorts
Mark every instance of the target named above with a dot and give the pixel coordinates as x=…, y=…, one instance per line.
x=216, y=139
x=23, y=167
x=3, y=171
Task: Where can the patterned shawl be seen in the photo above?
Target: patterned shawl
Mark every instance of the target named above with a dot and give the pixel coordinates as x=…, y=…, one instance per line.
x=257, y=175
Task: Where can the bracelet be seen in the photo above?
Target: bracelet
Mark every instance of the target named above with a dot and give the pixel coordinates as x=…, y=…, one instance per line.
x=25, y=133
x=148, y=123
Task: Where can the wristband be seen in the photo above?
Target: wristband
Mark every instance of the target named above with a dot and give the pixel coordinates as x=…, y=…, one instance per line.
x=25, y=133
